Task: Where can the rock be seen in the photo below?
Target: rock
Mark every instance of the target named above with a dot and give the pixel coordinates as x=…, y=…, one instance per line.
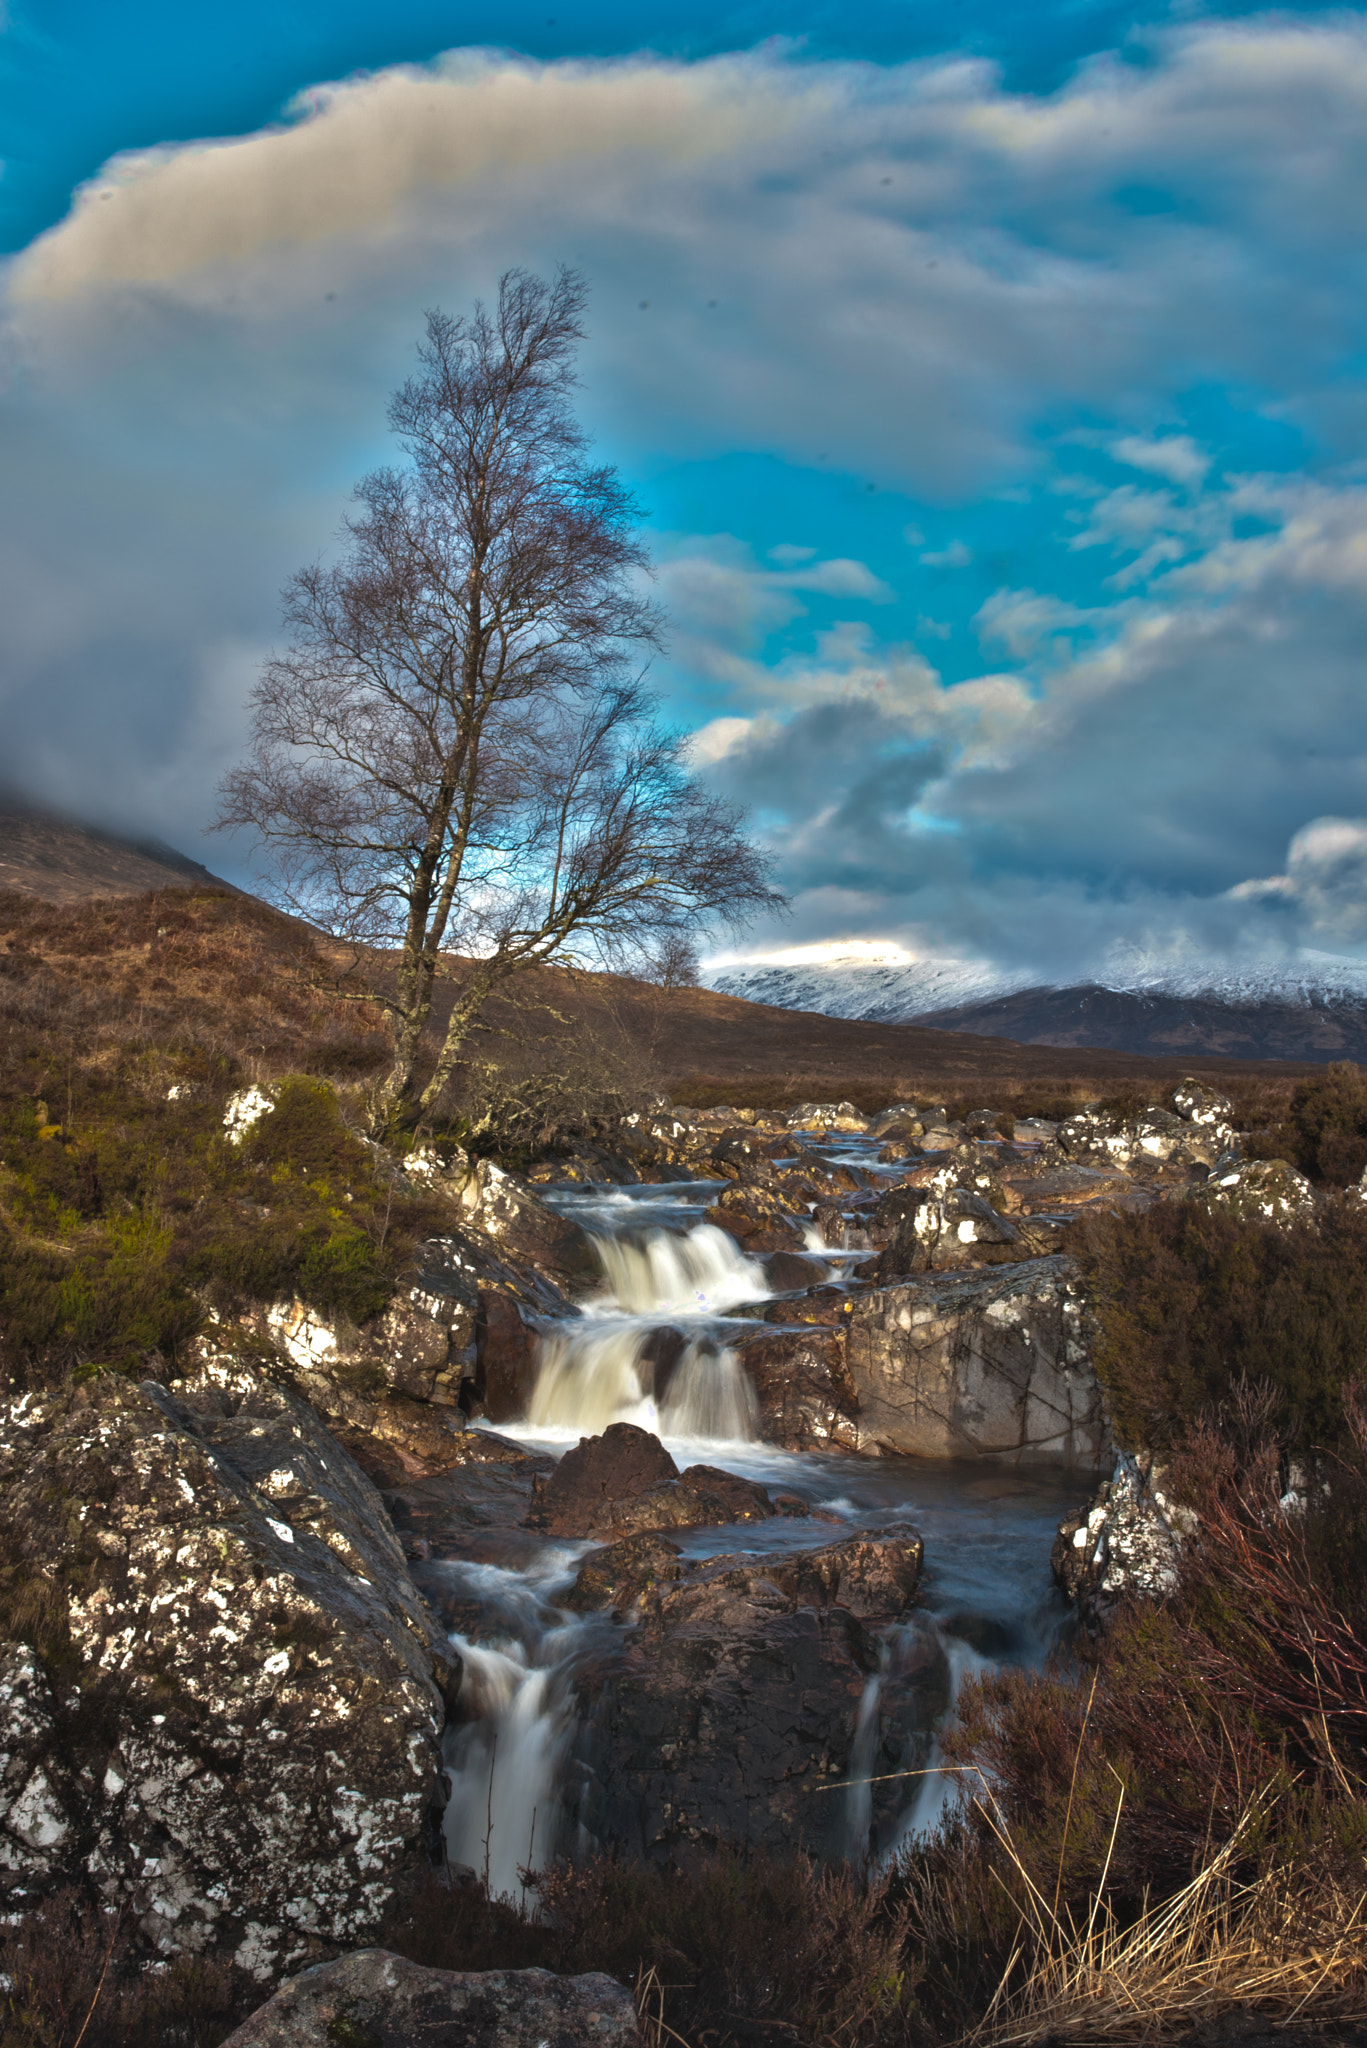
x=373, y=1999
x=1197, y=1104
x=625, y=1481
x=744, y=1154
x=507, y=1211
x=832, y=1224
x=826, y=1116
x=793, y=1272
x=506, y=1358
x=756, y=1219
x=235, y=1683
x=873, y=1576
x=725, y=1705
x=988, y=1123
x=979, y=1365
x=622, y=1573
x=959, y=1229
x=1128, y=1543
x=1258, y=1191
x=900, y=1120
x=807, y=1400
x=728, y=1716
x=1156, y=1134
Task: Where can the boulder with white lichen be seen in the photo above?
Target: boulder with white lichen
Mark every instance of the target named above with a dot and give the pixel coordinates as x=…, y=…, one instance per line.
x=221, y=1696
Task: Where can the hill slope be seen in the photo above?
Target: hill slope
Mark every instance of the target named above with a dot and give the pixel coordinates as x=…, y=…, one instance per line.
x=59, y=861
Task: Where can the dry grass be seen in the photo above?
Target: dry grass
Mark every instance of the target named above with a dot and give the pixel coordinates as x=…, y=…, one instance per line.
x=1285, y=1944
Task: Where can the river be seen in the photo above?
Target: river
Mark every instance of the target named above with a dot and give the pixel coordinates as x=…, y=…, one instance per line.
x=986, y=1594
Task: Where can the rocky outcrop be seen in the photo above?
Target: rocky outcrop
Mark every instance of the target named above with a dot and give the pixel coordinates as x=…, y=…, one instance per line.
x=625, y=1481
x=979, y=1365
x=227, y=1716
x=1258, y=1191
x=506, y=1210
x=730, y=1714
x=1125, y=1544
x=757, y=1219
x=377, y=2000
x=873, y=1577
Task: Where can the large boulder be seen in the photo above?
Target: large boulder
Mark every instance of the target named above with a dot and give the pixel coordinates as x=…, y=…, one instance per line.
x=1258, y=1191
x=756, y=1218
x=224, y=1707
x=625, y=1481
x=377, y=2000
x=989, y=1364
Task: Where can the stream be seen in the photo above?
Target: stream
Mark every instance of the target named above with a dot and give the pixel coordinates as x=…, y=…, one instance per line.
x=986, y=1595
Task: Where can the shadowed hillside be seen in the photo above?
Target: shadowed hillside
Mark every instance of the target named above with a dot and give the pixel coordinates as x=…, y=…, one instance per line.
x=44, y=855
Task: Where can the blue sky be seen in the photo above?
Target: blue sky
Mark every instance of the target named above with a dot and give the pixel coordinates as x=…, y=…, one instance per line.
x=993, y=378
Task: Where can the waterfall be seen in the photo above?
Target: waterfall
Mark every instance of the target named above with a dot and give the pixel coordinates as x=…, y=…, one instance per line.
x=504, y=1761
x=709, y=1395
x=593, y=1371
x=704, y=1272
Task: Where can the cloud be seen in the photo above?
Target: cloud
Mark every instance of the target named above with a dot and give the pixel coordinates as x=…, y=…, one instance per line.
x=1325, y=882
x=194, y=366
x=1175, y=456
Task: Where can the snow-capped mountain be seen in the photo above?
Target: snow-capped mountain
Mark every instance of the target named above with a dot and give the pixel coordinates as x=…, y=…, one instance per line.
x=1313, y=1008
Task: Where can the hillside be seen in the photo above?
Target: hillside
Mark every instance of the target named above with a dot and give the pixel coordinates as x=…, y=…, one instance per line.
x=45, y=855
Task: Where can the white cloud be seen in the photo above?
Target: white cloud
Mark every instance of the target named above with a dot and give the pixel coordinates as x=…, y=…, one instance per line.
x=957, y=555
x=1175, y=456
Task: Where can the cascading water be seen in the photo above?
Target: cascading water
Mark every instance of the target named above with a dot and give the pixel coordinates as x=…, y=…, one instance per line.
x=595, y=1371
x=652, y=1348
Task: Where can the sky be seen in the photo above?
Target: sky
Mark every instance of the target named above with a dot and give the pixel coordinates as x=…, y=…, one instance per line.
x=993, y=378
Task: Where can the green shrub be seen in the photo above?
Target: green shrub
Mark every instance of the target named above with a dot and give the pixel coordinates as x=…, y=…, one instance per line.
x=1328, y=1117
x=1187, y=1300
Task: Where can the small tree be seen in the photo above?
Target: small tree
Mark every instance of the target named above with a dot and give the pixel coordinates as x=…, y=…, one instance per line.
x=674, y=962
x=455, y=755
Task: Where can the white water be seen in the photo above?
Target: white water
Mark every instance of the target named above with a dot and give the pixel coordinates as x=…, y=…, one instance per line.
x=593, y=1371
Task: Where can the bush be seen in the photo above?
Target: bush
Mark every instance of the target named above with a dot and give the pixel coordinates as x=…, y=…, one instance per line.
x=1328, y=1117
x=1187, y=1298
x=738, y=1950
x=74, y=1971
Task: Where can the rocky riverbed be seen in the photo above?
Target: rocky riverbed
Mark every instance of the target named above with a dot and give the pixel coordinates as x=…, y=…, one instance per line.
x=661, y=1508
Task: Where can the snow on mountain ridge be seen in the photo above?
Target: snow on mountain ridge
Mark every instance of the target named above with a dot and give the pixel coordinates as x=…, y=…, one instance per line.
x=898, y=994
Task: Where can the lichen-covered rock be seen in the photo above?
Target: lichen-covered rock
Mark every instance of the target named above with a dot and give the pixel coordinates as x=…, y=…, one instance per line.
x=230, y=1722
x=1258, y=1191
x=756, y=1218
x=507, y=1211
x=377, y=2000
x=807, y=1400
x=1197, y=1104
x=1126, y=1544
x=826, y=1116
x=979, y=1365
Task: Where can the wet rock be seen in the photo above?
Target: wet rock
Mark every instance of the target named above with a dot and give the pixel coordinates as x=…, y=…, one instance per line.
x=373, y=1999
x=1258, y=1191
x=757, y=1220
x=832, y=1224
x=979, y=1365
x=625, y=1481
x=623, y=1573
x=900, y=1120
x=874, y=1577
x=793, y=1272
x=235, y=1686
x=807, y=1400
x=506, y=1358
x=724, y=1710
x=745, y=1154
x=1126, y=1544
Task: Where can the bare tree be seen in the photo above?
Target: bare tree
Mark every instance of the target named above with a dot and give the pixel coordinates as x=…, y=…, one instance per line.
x=674, y=963
x=455, y=755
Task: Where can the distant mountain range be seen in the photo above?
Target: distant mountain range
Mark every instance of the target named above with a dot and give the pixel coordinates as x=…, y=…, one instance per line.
x=1312, y=1009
